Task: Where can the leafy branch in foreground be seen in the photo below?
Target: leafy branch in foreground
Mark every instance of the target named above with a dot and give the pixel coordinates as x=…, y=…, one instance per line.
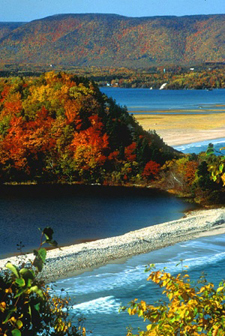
x=26, y=305
x=189, y=310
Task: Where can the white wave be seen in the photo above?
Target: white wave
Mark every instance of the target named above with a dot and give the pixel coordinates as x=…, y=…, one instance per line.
x=200, y=144
x=134, y=278
x=192, y=263
x=102, y=305
x=93, y=283
x=130, y=276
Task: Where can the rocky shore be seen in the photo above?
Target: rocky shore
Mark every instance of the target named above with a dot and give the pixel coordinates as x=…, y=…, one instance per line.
x=71, y=260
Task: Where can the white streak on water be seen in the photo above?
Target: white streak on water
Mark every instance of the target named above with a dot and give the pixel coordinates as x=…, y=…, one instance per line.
x=102, y=305
x=201, y=144
x=131, y=275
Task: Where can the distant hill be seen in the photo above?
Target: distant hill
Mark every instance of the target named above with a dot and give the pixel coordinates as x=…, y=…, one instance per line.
x=114, y=40
x=7, y=27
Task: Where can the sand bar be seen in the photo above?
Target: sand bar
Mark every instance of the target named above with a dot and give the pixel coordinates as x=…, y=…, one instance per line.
x=75, y=259
x=184, y=128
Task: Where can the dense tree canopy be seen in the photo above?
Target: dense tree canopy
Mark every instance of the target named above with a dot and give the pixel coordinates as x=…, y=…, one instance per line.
x=61, y=128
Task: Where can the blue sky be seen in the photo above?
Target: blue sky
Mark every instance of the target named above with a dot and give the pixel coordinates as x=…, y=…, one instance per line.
x=27, y=10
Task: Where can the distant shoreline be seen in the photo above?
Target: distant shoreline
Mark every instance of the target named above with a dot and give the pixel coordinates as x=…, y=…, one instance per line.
x=75, y=259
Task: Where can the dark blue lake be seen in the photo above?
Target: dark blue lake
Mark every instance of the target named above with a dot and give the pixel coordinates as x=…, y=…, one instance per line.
x=80, y=213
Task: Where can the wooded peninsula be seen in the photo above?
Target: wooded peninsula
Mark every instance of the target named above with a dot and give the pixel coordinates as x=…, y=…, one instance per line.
x=59, y=128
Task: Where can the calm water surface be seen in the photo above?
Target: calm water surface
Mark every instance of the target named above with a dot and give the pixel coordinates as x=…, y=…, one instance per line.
x=171, y=101
x=78, y=213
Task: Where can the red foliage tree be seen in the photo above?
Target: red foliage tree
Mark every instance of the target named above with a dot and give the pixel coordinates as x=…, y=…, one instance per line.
x=129, y=152
x=151, y=169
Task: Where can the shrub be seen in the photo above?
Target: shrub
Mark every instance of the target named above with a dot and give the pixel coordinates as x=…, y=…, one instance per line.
x=26, y=305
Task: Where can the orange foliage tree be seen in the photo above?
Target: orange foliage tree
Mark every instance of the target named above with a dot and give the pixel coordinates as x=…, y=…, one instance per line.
x=60, y=127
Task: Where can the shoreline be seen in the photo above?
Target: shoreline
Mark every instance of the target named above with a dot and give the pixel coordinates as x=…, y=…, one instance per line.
x=76, y=259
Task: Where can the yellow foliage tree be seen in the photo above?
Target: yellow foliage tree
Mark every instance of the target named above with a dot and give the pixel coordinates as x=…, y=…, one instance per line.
x=190, y=311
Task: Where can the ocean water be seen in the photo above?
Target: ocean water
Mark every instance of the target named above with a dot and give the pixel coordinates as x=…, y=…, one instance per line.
x=202, y=146
x=98, y=295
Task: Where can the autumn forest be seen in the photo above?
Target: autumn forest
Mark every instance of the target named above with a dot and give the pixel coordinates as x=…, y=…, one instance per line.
x=59, y=128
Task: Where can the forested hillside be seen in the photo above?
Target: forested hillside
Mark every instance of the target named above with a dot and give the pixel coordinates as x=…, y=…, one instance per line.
x=61, y=128
x=7, y=27
x=113, y=40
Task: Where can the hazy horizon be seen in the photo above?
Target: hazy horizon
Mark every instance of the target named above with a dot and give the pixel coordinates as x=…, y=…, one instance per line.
x=138, y=17
x=29, y=10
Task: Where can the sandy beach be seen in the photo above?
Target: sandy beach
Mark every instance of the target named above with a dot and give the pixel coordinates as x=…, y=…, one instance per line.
x=180, y=129
x=71, y=260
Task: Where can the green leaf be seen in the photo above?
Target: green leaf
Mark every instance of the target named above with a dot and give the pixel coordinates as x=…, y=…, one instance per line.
x=221, y=167
x=42, y=254
x=37, y=290
x=210, y=149
x=16, y=332
x=27, y=274
x=19, y=324
x=20, y=292
x=9, y=314
x=29, y=283
x=37, y=306
x=21, y=282
x=13, y=268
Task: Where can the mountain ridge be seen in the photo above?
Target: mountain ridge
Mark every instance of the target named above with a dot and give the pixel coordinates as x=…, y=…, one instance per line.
x=115, y=40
